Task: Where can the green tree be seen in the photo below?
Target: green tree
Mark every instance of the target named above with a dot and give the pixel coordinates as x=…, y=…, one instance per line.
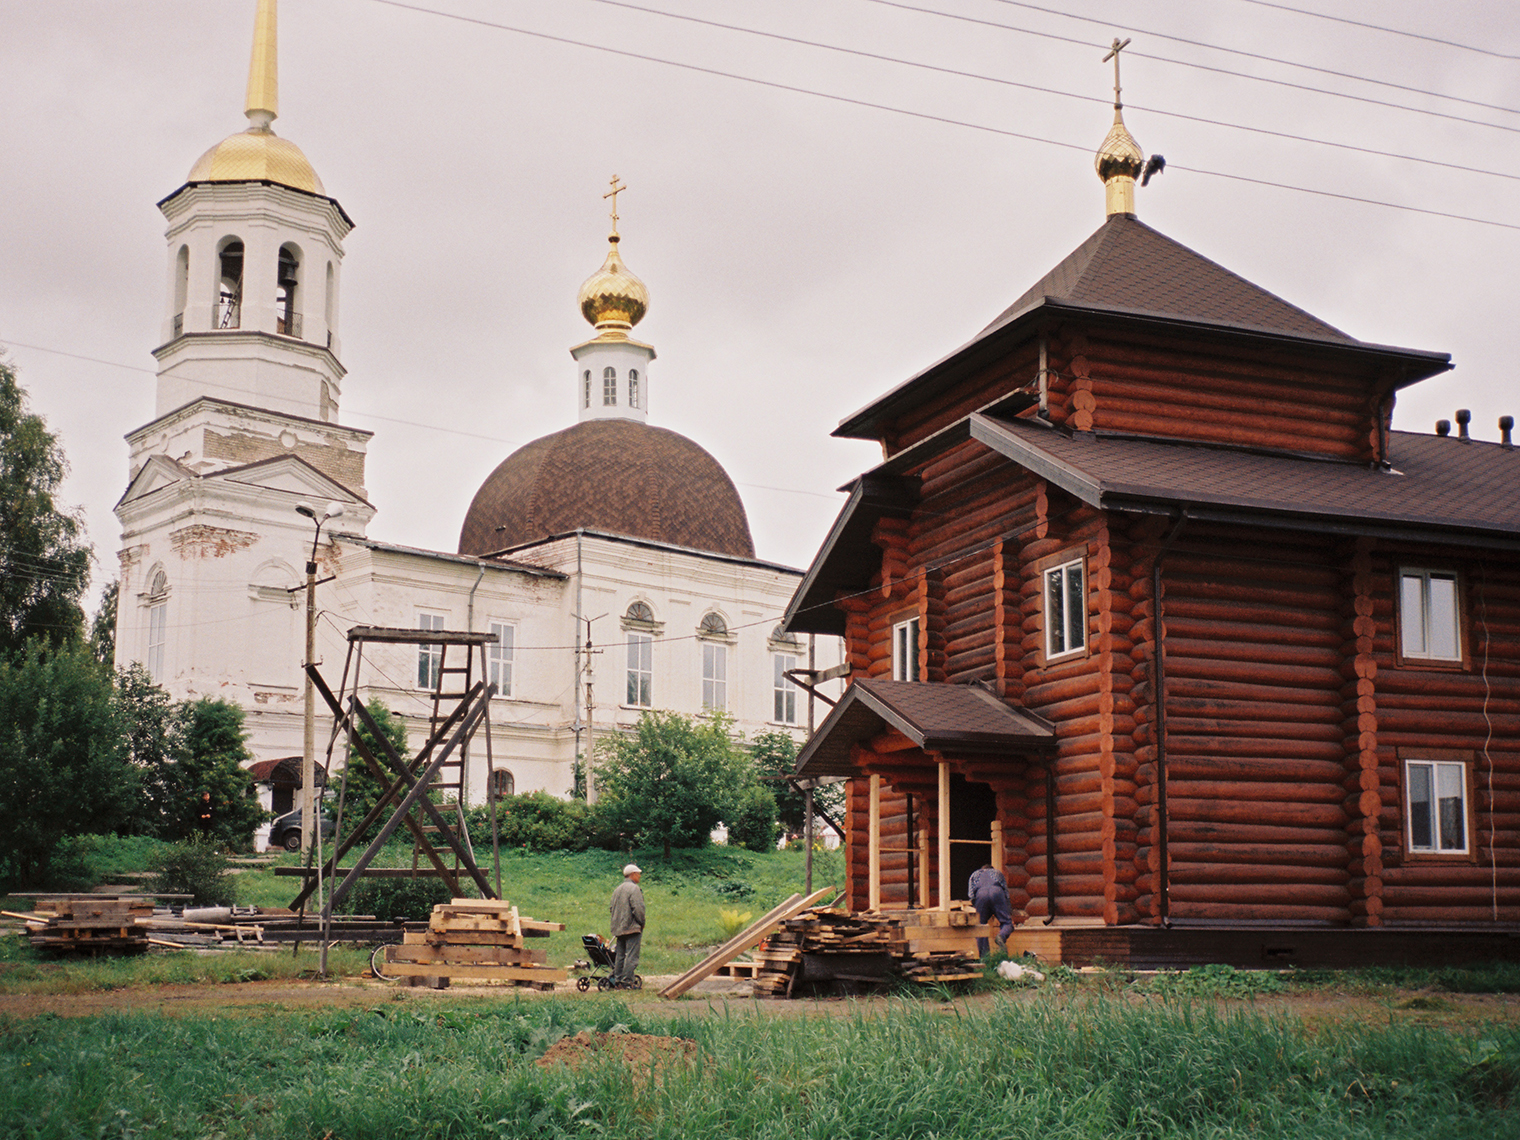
x=44, y=559
x=103, y=625
x=672, y=781
x=150, y=721
x=775, y=756
x=205, y=788
x=752, y=821
x=362, y=791
x=63, y=761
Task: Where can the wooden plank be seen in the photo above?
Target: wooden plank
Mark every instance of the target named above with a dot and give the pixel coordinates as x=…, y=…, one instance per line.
x=467, y=955
x=744, y=940
x=481, y=973
x=462, y=938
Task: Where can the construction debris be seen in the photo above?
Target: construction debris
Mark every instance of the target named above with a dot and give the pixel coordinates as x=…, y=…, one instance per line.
x=67, y=923
x=840, y=950
x=475, y=939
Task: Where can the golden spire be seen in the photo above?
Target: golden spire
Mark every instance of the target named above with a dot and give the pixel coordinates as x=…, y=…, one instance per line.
x=613, y=299
x=1119, y=160
x=263, y=72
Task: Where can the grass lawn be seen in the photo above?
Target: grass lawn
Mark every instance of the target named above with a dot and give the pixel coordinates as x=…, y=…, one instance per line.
x=1094, y=1066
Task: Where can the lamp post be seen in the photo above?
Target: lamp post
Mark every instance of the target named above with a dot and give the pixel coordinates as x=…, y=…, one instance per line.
x=308, y=752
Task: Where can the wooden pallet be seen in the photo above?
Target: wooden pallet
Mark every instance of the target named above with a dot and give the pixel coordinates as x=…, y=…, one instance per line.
x=828, y=945
x=68, y=923
x=477, y=940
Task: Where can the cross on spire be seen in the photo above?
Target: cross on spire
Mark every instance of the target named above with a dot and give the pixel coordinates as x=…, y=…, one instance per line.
x=1113, y=54
x=613, y=193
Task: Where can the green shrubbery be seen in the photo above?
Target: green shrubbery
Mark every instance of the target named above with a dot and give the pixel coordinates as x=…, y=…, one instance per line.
x=195, y=867
x=535, y=821
x=396, y=900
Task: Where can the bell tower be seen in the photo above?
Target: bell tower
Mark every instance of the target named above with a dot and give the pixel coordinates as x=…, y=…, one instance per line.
x=612, y=369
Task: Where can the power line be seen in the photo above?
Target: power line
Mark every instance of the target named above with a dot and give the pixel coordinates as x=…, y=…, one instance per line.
x=1384, y=28
x=1187, y=63
x=1403, y=157
x=926, y=116
x=1264, y=58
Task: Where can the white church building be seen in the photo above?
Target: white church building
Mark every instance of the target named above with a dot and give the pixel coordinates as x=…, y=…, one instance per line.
x=613, y=530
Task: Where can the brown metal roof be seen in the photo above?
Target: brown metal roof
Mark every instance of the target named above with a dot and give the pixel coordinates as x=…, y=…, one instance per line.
x=284, y=770
x=1436, y=484
x=938, y=718
x=614, y=475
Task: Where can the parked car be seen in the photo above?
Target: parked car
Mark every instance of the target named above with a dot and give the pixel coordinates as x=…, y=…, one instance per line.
x=285, y=831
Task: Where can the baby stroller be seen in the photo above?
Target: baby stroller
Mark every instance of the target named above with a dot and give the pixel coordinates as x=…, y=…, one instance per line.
x=603, y=957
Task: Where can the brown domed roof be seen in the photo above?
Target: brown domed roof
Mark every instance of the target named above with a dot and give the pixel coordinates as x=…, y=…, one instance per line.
x=612, y=475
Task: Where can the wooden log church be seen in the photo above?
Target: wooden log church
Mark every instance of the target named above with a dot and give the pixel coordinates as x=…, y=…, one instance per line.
x=1149, y=606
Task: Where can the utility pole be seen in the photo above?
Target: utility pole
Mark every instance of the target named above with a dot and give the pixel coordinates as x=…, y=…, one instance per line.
x=309, y=745
x=588, y=758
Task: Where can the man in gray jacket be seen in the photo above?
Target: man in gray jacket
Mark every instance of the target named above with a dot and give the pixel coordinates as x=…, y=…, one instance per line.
x=627, y=926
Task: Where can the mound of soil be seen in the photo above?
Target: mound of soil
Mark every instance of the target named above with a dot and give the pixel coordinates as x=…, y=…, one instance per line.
x=642, y=1053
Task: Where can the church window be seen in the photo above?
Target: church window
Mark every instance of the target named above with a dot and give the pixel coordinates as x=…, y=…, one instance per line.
x=429, y=657
x=158, y=612
x=609, y=387
x=287, y=320
x=1065, y=610
x=500, y=657
x=640, y=612
x=905, y=650
x=783, y=688
x=713, y=625
x=586, y=387
x=502, y=783
x=229, y=300
x=640, y=669
x=633, y=388
x=181, y=287
x=714, y=677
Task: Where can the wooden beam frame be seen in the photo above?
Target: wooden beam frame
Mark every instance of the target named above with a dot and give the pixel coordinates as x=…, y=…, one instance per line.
x=873, y=847
x=944, y=834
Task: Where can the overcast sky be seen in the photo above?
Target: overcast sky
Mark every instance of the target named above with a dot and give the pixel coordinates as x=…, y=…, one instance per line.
x=803, y=254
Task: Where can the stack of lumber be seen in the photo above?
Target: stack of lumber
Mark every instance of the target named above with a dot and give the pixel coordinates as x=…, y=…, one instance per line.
x=829, y=945
x=479, y=940
x=67, y=923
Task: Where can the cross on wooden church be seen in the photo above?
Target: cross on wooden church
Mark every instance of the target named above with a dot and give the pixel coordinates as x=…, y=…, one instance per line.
x=616, y=190
x=1113, y=54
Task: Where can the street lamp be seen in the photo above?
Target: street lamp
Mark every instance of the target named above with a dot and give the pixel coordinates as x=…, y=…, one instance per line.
x=308, y=753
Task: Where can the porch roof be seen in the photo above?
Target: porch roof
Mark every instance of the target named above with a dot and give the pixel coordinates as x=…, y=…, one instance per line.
x=935, y=717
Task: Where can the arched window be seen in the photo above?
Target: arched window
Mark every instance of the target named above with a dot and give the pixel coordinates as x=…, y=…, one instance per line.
x=609, y=387
x=586, y=384
x=640, y=611
x=286, y=319
x=329, y=310
x=158, y=610
x=229, y=296
x=502, y=783
x=633, y=388
x=713, y=625
x=181, y=287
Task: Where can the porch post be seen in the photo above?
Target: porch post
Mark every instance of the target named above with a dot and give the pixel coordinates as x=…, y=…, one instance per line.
x=944, y=835
x=873, y=847
x=923, y=869
x=997, y=846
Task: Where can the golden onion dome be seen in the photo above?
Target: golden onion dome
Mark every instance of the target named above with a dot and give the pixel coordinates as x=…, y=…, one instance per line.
x=257, y=155
x=1119, y=162
x=612, y=298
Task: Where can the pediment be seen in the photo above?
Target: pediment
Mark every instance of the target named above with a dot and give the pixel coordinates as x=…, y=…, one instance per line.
x=154, y=475
x=287, y=473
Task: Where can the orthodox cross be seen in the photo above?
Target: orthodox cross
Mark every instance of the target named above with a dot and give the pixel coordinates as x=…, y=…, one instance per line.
x=1113, y=54
x=616, y=190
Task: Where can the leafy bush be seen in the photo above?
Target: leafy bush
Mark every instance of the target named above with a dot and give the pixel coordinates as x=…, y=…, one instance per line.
x=535, y=821
x=196, y=867
x=753, y=824
x=1216, y=980
x=396, y=900
x=732, y=921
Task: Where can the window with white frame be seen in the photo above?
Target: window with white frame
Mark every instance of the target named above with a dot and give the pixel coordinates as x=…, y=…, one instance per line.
x=429, y=657
x=1435, y=792
x=609, y=386
x=1065, y=610
x=714, y=677
x=783, y=688
x=158, y=627
x=633, y=387
x=500, y=657
x=1429, y=619
x=905, y=650
x=641, y=670
x=586, y=387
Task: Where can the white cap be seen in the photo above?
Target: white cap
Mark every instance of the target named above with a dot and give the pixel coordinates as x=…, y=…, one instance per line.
x=632, y=869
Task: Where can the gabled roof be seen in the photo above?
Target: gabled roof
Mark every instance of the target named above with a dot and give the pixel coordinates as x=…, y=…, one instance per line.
x=1439, y=487
x=937, y=718
x=1128, y=273
x=278, y=473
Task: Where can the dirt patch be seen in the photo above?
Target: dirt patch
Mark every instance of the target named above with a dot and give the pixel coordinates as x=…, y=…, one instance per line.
x=643, y=1054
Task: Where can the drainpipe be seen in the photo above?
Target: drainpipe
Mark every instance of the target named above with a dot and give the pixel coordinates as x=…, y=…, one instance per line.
x=575, y=660
x=469, y=611
x=1158, y=674
x=1044, y=379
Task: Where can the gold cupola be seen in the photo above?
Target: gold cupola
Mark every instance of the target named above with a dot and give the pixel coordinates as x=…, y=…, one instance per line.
x=258, y=154
x=1119, y=160
x=613, y=299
